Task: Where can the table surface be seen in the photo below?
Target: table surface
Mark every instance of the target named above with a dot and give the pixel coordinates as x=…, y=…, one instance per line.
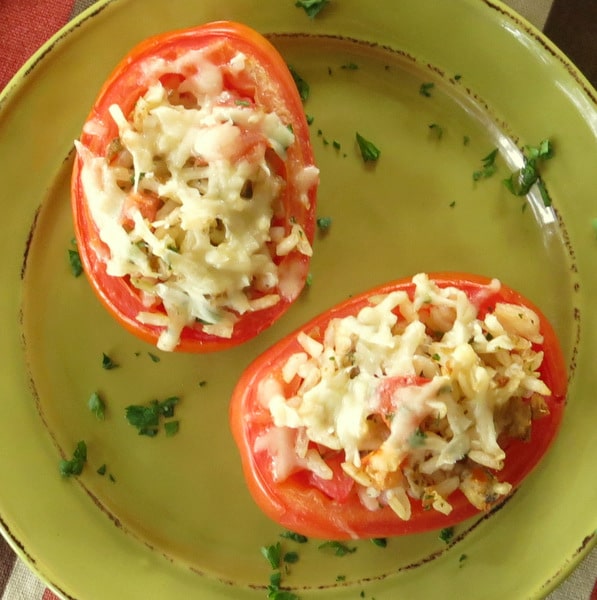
x=570, y=24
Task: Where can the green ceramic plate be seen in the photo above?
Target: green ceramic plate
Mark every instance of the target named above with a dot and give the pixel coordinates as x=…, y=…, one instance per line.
x=171, y=517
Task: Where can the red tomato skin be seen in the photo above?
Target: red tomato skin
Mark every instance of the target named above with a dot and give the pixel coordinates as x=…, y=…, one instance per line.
x=310, y=512
x=124, y=86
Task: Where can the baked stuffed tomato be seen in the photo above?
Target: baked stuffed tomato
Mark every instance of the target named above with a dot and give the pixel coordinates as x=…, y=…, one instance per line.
x=405, y=409
x=194, y=189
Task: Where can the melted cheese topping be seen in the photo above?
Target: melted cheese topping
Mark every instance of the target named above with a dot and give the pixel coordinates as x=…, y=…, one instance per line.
x=414, y=394
x=184, y=200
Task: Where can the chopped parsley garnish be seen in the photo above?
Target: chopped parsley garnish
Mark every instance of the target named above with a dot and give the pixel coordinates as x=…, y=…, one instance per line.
x=291, y=557
x=97, y=406
x=146, y=418
x=242, y=103
x=521, y=181
x=324, y=223
x=74, y=260
x=154, y=357
x=309, y=280
x=171, y=428
x=310, y=119
x=202, y=383
x=381, y=542
x=108, y=363
x=340, y=578
x=103, y=470
x=425, y=89
x=457, y=77
x=446, y=534
x=369, y=151
x=350, y=66
x=489, y=166
x=75, y=465
x=275, y=593
x=301, y=85
x=273, y=555
x=312, y=7
x=336, y=144
x=462, y=558
x=337, y=548
x=295, y=537
x=437, y=130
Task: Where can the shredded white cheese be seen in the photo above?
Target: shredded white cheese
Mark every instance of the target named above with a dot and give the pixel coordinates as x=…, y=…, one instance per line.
x=414, y=394
x=185, y=199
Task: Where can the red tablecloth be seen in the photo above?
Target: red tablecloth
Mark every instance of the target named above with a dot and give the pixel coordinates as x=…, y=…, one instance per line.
x=26, y=24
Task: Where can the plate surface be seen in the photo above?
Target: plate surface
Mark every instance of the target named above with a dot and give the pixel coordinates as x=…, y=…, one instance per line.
x=171, y=517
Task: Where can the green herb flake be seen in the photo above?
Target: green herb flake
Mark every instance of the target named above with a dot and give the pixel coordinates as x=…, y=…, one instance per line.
x=273, y=554
x=446, y=534
x=102, y=470
x=146, y=418
x=97, y=406
x=75, y=465
x=337, y=548
x=436, y=130
x=461, y=559
x=295, y=537
x=324, y=223
x=369, y=151
x=381, y=542
x=425, y=89
x=521, y=181
x=107, y=363
x=74, y=260
x=417, y=439
x=310, y=119
x=466, y=140
x=301, y=85
x=336, y=144
x=291, y=557
x=340, y=578
x=202, y=383
x=154, y=357
x=489, y=167
x=171, y=428
x=278, y=594
x=275, y=579
x=242, y=103
x=309, y=280
x=457, y=77
x=350, y=66
x=312, y=7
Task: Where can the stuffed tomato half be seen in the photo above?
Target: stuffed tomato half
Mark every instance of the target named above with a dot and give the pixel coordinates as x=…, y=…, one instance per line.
x=408, y=408
x=194, y=189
